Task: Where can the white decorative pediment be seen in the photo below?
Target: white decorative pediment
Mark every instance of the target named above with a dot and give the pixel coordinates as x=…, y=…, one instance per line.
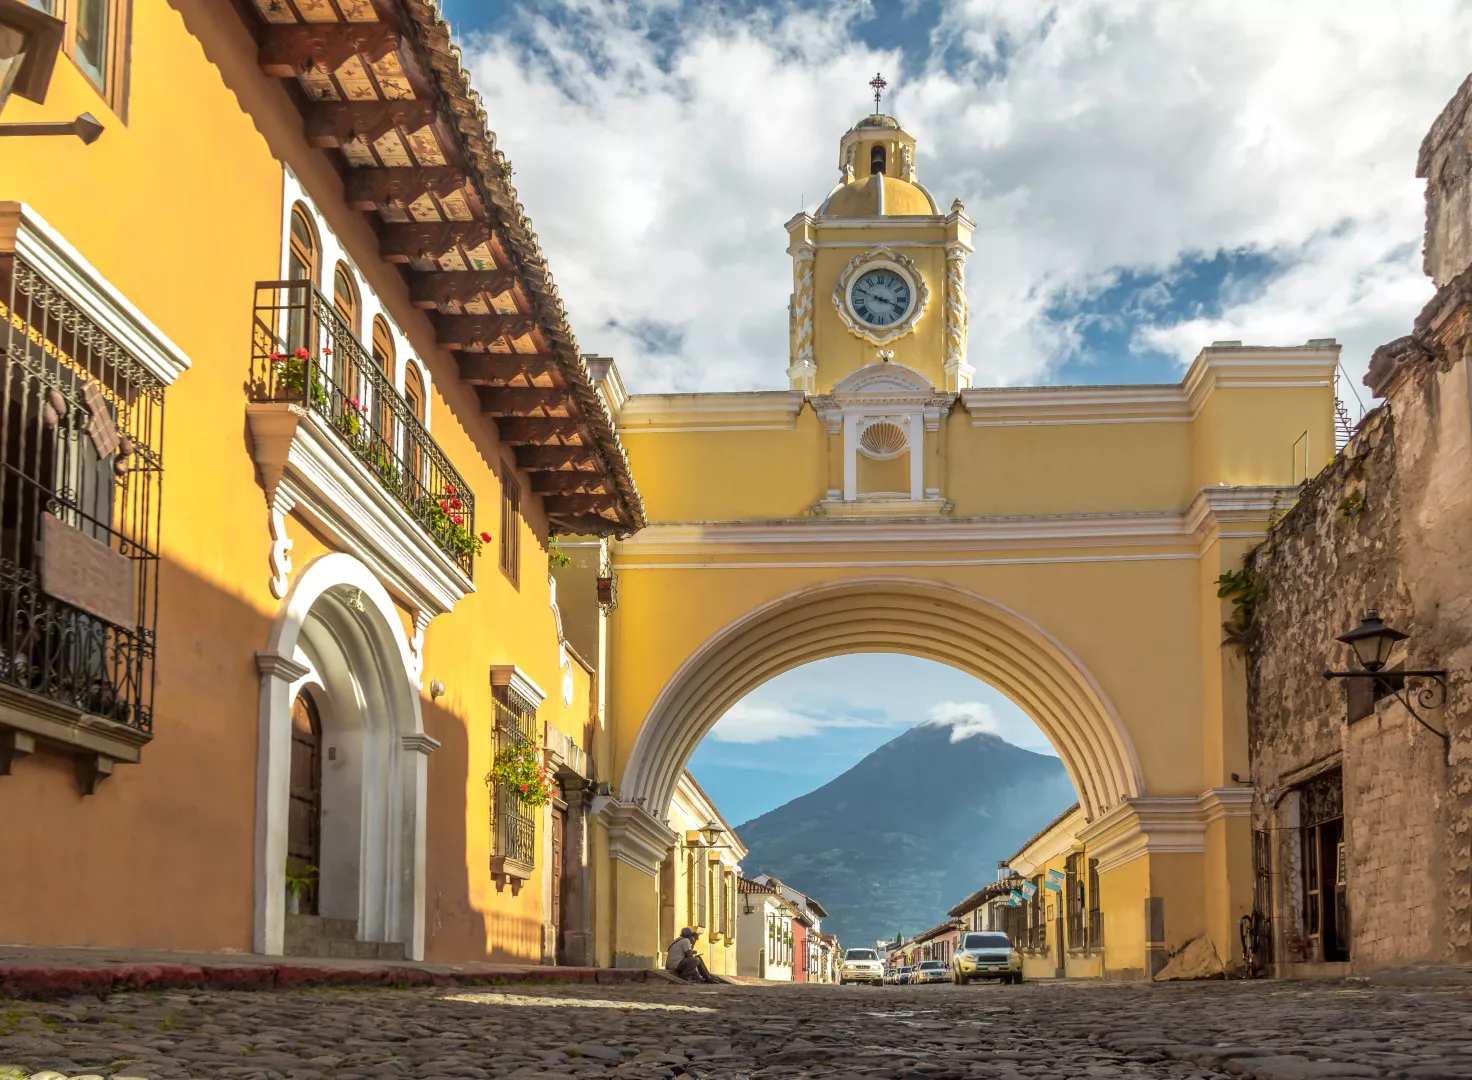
x=884, y=378
x=305, y=467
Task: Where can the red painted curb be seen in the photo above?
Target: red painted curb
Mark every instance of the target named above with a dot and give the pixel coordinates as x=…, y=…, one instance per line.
x=41, y=982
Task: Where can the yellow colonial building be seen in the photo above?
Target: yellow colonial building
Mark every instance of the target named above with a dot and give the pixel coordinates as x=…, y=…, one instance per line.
x=1063, y=544
x=291, y=409
x=292, y=415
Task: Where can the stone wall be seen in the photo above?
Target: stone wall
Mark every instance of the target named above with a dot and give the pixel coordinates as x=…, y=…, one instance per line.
x=1387, y=526
x=1445, y=162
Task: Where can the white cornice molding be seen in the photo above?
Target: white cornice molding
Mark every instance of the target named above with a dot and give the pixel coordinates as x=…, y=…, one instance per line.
x=636, y=837
x=1170, y=825
x=275, y=666
x=519, y=683
x=1045, y=848
x=27, y=233
x=755, y=411
x=298, y=457
x=1212, y=513
x=1219, y=366
x=419, y=743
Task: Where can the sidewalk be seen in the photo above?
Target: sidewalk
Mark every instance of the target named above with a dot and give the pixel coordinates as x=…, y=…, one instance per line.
x=40, y=972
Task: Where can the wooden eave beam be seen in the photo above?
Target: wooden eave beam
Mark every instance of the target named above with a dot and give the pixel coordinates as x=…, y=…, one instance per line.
x=402, y=243
x=551, y=483
x=476, y=331
x=533, y=458
x=332, y=123
x=502, y=369
x=442, y=288
x=520, y=400
x=579, y=505
x=400, y=185
x=291, y=49
x=535, y=430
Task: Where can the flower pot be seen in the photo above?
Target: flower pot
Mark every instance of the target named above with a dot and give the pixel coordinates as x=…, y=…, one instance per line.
x=293, y=903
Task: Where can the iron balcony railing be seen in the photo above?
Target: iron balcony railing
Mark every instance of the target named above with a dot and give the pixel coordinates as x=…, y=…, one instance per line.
x=304, y=352
x=81, y=426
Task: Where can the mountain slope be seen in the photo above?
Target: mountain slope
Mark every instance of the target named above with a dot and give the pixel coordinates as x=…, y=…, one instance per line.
x=913, y=828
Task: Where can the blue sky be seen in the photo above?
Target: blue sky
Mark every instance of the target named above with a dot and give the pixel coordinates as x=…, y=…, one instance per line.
x=1146, y=176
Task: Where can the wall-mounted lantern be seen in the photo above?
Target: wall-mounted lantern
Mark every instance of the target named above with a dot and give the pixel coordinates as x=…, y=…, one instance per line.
x=1372, y=642
x=712, y=832
x=29, y=42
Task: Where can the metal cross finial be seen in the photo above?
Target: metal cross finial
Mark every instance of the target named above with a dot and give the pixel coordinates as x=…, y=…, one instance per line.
x=877, y=84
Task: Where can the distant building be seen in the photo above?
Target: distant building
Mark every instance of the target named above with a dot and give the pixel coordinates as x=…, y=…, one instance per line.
x=764, y=939
x=701, y=874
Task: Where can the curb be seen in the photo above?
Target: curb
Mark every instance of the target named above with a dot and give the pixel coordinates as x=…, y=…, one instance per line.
x=39, y=983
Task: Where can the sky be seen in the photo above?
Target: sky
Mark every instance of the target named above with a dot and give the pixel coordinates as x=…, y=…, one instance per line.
x=805, y=727
x=1146, y=178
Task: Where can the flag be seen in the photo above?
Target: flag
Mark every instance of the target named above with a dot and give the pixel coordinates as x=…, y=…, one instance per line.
x=1055, y=886
x=1029, y=890
x=1055, y=875
x=1015, y=898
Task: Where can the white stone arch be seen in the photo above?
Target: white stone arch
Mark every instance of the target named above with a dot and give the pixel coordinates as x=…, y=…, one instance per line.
x=887, y=614
x=339, y=632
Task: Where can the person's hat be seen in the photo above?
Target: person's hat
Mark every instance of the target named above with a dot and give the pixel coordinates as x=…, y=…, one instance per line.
x=687, y=932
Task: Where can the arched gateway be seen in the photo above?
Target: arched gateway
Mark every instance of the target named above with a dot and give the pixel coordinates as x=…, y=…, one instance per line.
x=1061, y=543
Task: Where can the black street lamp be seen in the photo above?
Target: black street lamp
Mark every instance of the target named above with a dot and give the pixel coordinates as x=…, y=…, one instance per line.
x=1372, y=642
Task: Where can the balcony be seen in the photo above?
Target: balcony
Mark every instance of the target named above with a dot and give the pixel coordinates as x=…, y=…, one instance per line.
x=304, y=354
x=80, y=474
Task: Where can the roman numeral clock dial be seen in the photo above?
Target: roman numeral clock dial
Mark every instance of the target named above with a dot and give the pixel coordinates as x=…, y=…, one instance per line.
x=880, y=297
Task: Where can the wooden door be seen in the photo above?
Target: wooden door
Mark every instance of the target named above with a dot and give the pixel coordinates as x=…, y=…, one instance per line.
x=304, y=822
x=559, y=834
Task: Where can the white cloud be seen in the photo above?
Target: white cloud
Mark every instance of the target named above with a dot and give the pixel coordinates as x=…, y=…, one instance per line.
x=969, y=718
x=751, y=722
x=1085, y=137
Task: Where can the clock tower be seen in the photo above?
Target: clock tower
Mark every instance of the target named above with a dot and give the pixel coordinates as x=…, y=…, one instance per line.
x=878, y=271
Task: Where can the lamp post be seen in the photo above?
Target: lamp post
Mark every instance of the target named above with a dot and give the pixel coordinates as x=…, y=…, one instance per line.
x=712, y=832
x=1372, y=642
x=29, y=42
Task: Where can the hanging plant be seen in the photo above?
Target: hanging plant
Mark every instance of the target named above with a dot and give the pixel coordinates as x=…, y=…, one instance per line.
x=292, y=374
x=519, y=769
x=446, y=522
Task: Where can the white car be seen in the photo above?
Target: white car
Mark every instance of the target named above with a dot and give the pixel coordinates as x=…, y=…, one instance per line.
x=986, y=955
x=861, y=966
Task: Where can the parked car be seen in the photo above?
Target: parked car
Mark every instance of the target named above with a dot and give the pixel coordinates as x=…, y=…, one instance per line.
x=929, y=971
x=861, y=966
x=891, y=976
x=902, y=976
x=986, y=955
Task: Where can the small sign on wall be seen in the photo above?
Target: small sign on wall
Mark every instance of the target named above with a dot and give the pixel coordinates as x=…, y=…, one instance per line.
x=86, y=573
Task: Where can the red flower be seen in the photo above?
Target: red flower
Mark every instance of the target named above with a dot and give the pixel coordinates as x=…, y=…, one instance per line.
x=457, y=519
x=485, y=538
x=326, y=352
x=444, y=506
x=449, y=489
x=456, y=503
x=276, y=358
x=302, y=354
x=523, y=787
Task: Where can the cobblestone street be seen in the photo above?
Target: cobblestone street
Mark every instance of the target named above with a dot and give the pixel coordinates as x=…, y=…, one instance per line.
x=1274, y=1031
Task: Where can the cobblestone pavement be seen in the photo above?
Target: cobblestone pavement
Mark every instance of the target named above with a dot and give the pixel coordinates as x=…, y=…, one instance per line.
x=1265, y=1031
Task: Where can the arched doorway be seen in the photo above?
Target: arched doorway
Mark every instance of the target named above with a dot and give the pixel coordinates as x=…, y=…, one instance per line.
x=343, y=761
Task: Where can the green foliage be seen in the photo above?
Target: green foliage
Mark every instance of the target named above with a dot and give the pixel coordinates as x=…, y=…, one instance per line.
x=556, y=557
x=1245, y=590
x=301, y=882
x=291, y=376
x=1352, y=505
x=519, y=769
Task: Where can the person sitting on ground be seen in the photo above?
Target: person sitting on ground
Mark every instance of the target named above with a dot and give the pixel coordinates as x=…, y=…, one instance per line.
x=684, y=962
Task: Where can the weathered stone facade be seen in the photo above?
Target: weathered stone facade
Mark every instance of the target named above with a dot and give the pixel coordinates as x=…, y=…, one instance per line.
x=1387, y=526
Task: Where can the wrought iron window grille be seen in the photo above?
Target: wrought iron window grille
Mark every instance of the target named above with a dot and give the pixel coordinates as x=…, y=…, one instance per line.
x=80, y=481
x=513, y=828
x=339, y=380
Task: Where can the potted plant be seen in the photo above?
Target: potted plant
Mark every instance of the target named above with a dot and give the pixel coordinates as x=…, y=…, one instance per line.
x=519, y=769
x=299, y=883
x=293, y=374
x=445, y=518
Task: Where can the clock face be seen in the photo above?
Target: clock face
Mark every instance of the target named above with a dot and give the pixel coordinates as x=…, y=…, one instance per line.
x=880, y=297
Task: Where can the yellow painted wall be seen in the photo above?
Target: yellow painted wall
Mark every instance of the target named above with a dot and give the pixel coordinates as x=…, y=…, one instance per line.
x=181, y=209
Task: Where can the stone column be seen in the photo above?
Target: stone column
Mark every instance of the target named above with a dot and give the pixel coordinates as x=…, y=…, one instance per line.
x=273, y=798
x=637, y=844
x=577, y=907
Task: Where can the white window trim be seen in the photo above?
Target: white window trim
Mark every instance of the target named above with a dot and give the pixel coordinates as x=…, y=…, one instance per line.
x=49, y=254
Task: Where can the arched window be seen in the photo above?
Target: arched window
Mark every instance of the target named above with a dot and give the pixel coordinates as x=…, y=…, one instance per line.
x=303, y=260
x=414, y=397
x=345, y=296
x=383, y=359
x=876, y=158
